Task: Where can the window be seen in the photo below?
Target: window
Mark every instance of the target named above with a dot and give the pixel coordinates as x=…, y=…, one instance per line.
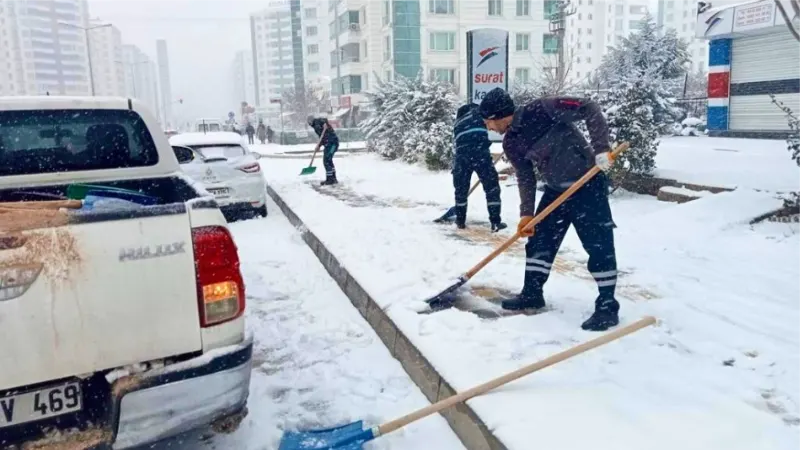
x=589, y=45
x=578, y=60
x=636, y=24
x=638, y=9
x=442, y=41
x=313, y=49
x=387, y=48
x=311, y=31
x=588, y=59
x=219, y=151
x=495, y=7
x=590, y=16
x=310, y=13
x=550, y=8
x=549, y=44
x=73, y=140
x=313, y=67
x=589, y=31
x=441, y=6
x=444, y=75
x=523, y=7
x=522, y=75
x=619, y=10
x=523, y=41
x=580, y=16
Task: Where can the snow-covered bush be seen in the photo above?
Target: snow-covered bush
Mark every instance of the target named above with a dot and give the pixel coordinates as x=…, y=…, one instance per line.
x=412, y=121
x=655, y=57
x=629, y=108
x=690, y=126
x=792, y=144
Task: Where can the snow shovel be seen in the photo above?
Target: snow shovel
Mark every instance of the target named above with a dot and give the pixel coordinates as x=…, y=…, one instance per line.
x=452, y=211
x=311, y=168
x=444, y=300
x=353, y=435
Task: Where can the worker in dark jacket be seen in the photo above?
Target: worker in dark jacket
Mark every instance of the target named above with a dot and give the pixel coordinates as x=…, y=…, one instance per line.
x=543, y=133
x=472, y=145
x=329, y=143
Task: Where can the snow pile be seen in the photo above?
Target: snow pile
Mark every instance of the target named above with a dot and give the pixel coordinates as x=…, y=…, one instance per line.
x=690, y=126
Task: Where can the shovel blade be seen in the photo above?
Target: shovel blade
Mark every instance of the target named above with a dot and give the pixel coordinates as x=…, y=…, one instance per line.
x=345, y=437
x=308, y=170
x=447, y=297
x=449, y=215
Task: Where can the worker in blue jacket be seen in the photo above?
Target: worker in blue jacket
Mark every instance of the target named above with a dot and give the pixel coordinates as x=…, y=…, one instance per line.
x=329, y=143
x=472, y=155
x=543, y=133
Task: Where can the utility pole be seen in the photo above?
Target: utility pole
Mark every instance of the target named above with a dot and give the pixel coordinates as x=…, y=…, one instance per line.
x=558, y=26
x=88, y=46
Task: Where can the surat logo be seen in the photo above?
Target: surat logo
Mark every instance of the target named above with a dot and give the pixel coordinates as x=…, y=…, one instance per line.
x=487, y=54
x=712, y=21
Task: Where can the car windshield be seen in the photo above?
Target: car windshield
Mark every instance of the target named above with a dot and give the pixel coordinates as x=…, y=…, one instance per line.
x=226, y=151
x=47, y=141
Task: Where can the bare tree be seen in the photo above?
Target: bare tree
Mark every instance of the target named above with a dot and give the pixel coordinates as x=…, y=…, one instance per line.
x=313, y=100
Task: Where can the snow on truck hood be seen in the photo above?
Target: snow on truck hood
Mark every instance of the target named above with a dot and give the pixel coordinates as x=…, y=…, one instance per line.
x=211, y=138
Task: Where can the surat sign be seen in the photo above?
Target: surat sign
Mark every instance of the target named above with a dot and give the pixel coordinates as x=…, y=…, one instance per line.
x=487, y=62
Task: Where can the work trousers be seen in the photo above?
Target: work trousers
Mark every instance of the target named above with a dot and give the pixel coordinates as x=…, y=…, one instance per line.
x=480, y=162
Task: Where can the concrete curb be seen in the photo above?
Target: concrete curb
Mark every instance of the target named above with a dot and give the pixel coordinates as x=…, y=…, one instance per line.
x=469, y=428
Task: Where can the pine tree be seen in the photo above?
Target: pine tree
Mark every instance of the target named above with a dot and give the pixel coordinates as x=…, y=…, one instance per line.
x=629, y=108
x=413, y=121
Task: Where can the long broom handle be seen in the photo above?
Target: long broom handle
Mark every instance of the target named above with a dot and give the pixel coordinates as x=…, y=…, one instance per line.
x=539, y=217
x=316, y=149
x=477, y=183
x=517, y=374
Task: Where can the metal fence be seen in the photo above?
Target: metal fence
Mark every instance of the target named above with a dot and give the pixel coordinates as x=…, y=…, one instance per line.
x=694, y=107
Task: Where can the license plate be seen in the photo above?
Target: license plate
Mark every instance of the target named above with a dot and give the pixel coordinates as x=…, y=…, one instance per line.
x=40, y=404
x=220, y=191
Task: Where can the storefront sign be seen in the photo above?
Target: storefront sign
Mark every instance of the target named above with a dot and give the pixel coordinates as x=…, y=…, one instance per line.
x=487, y=62
x=754, y=16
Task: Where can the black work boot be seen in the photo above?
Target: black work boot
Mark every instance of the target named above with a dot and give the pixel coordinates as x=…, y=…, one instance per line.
x=605, y=316
x=497, y=226
x=329, y=181
x=461, y=217
x=527, y=299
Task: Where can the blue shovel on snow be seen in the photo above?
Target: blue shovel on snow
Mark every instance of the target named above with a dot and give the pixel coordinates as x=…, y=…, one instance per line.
x=353, y=435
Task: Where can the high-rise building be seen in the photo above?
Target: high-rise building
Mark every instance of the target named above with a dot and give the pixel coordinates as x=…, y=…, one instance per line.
x=316, y=55
x=242, y=82
x=273, y=54
x=140, y=76
x=44, y=47
x=596, y=25
x=681, y=16
x=164, y=82
x=105, y=45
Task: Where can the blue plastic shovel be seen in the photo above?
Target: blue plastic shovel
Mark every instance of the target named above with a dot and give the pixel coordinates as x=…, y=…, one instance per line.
x=353, y=435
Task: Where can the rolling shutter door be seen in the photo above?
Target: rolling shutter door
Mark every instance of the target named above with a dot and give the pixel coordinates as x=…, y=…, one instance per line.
x=757, y=63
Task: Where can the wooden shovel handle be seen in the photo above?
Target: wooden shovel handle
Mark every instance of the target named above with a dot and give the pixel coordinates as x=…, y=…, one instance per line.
x=316, y=149
x=539, y=217
x=515, y=375
x=47, y=204
x=475, y=186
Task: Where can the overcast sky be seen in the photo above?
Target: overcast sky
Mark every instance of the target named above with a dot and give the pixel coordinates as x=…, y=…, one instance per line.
x=202, y=37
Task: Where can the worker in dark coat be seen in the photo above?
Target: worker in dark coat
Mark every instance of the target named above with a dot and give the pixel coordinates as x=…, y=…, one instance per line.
x=329, y=143
x=543, y=133
x=472, y=154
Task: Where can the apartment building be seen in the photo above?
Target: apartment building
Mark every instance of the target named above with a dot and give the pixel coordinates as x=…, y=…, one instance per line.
x=273, y=53
x=140, y=77
x=373, y=40
x=164, y=82
x=593, y=27
x=105, y=46
x=316, y=49
x=243, y=87
x=44, y=47
x=681, y=16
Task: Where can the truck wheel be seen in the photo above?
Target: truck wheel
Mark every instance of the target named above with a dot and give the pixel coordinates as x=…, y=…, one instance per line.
x=229, y=424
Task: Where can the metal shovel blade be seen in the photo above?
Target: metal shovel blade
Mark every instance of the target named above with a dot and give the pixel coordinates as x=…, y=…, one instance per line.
x=308, y=170
x=447, y=297
x=345, y=437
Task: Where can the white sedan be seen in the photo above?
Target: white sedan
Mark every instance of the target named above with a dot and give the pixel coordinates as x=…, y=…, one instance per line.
x=226, y=168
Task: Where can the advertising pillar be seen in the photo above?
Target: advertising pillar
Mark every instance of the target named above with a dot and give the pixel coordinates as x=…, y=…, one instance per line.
x=487, y=64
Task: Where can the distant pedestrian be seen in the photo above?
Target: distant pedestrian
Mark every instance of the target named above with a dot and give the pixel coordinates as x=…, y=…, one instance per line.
x=270, y=134
x=261, y=132
x=250, y=132
x=330, y=143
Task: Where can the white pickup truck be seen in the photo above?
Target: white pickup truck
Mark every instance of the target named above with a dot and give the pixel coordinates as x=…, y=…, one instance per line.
x=118, y=326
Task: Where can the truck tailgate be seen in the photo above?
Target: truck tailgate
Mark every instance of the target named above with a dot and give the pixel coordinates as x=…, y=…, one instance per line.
x=104, y=292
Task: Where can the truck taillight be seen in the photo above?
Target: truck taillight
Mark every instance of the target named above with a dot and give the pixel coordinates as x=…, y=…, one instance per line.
x=220, y=288
x=251, y=168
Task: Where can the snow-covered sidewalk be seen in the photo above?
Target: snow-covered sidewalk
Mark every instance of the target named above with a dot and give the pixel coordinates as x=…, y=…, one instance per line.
x=317, y=363
x=720, y=372
x=275, y=149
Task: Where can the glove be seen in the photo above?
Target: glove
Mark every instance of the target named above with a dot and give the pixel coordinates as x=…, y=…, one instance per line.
x=603, y=161
x=524, y=220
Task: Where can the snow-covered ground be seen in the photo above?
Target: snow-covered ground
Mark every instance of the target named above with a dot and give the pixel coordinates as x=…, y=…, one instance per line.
x=721, y=371
x=317, y=363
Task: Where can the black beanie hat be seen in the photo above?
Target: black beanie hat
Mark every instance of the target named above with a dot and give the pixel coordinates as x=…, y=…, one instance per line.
x=497, y=104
